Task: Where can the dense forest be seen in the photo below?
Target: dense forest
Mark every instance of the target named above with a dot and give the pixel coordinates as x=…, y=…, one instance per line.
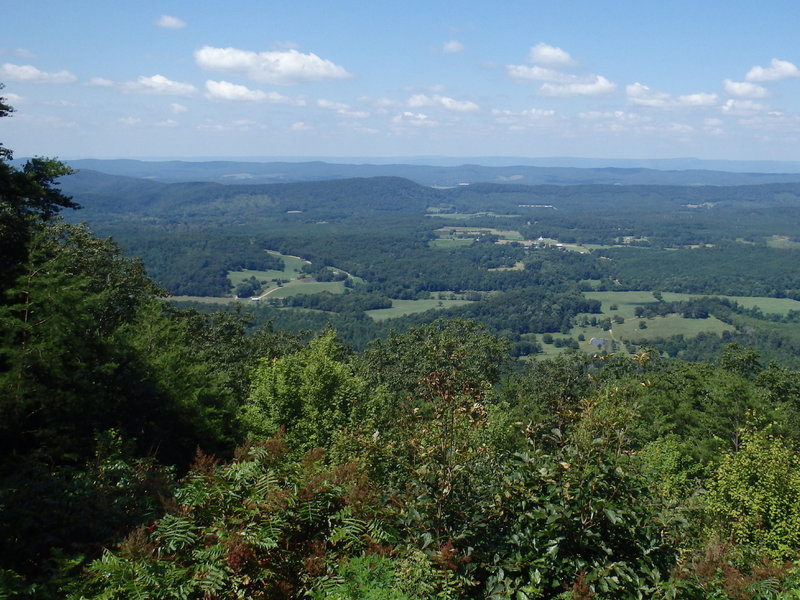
x=151, y=450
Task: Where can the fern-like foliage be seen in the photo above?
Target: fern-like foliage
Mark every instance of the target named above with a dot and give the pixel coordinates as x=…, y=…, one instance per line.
x=259, y=527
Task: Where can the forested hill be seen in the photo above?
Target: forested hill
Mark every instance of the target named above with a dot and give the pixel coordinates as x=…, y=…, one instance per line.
x=231, y=172
x=117, y=199
x=114, y=198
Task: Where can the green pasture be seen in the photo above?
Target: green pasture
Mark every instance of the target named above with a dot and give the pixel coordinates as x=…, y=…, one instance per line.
x=627, y=301
x=295, y=281
x=401, y=308
x=449, y=243
x=206, y=299
x=304, y=286
x=782, y=242
x=518, y=266
x=458, y=231
x=292, y=266
x=236, y=277
x=465, y=216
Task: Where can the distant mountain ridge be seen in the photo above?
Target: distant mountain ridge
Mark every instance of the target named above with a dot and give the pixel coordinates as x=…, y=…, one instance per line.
x=237, y=172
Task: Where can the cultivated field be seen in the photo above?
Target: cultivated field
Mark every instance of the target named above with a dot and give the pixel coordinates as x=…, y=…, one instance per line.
x=401, y=308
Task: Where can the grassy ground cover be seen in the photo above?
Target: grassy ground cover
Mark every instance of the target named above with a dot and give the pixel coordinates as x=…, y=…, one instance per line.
x=400, y=308
x=778, y=306
x=782, y=242
x=465, y=216
x=304, y=286
x=207, y=299
x=294, y=282
x=449, y=242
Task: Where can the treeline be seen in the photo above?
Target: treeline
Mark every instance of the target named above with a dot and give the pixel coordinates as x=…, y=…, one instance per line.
x=196, y=263
x=731, y=270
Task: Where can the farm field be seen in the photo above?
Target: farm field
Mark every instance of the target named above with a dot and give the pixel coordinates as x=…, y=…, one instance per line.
x=304, y=286
x=627, y=301
x=401, y=308
x=465, y=216
x=293, y=280
x=782, y=242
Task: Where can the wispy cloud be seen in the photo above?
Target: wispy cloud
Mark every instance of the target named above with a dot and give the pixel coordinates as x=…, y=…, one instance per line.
x=745, y=89
x=101, y=82
x=342, y=109
x=544, y=54
x=642, y=95
x=225, y=90
x=281, y=67
x=421, y=100
x=544, y=59
x=742, y=107
x=158, y=85
x=537, y=73
x=170, y=22
x=452, y=47
x=29, y=73
x=413, y=119
x=778, y=69
x=599, y=86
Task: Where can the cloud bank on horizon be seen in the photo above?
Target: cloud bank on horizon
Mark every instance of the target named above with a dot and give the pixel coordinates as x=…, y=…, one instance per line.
x=410, y=80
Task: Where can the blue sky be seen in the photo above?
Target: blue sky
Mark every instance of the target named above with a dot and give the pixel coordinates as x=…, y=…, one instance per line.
x=610, y=79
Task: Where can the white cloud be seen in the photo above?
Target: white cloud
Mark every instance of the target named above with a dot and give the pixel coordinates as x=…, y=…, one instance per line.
x=323, y=103
x=742, y=107
x=420, y=100
x=101, y=82
x=699, y=99
x=536, y=73
x=167, y=123
x=538, y=113
x=341, y=109
x=243, y=125
x=300, y=126
x=714, y=126
x=225, y=90
x=24, y=53
x=62, y=103
x=12, y=98
x=169, y=22
x=29, y=73
x=599, y=86
x=616, y=115
x=281, y=67
x=536, y=117
x=177, y=108
x=452, y=47
x=129, y=121
x=745, y=89
x=778, y=69
x=544, y=54
x=642, y=95
x=414, y=119
x=159, y=85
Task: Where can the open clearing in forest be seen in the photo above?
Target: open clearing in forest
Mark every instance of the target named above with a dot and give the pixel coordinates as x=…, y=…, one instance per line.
x=292, y=280
x=470, y=234
x=627, y=301
x=401, y=308
x=782, y=242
